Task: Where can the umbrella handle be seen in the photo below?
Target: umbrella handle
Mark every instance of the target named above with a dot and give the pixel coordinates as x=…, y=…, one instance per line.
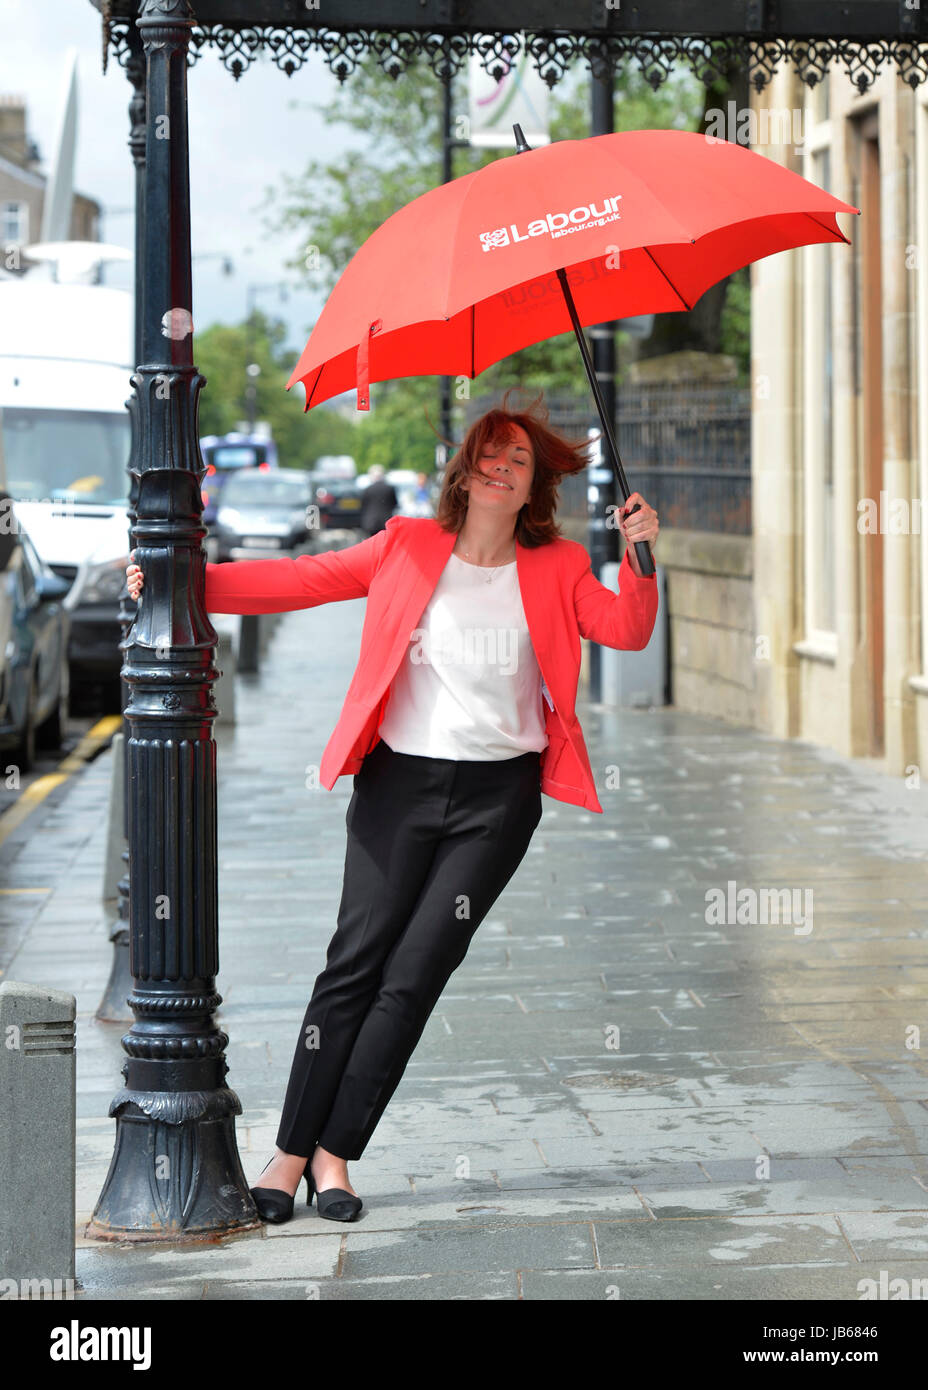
x=642, y=548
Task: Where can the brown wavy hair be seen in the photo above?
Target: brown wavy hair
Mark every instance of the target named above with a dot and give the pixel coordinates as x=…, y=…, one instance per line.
x=554, y=457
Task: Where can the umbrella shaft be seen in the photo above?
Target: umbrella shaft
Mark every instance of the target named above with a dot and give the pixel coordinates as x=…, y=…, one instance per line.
x=594, y=387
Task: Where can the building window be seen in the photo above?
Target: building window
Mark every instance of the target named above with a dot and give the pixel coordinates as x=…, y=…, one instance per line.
x=14, y=224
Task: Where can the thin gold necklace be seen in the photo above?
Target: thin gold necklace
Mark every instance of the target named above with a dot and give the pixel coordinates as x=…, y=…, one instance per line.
x=493, y=571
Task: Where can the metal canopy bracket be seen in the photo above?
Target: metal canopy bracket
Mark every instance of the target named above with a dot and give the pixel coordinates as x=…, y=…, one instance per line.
x=909, y=16
x=811, y=34
x=760, y=17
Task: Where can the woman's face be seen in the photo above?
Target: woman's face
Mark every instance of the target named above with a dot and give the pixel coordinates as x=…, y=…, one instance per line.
x=505, y=473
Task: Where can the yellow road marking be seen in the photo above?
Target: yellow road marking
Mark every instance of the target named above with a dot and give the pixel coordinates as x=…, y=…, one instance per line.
x=37, y=791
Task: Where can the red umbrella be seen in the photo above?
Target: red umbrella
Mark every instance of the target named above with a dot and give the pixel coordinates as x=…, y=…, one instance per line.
x=576, y=232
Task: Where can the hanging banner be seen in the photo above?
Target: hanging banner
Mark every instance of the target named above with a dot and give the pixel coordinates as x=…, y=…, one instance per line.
x=494, y=106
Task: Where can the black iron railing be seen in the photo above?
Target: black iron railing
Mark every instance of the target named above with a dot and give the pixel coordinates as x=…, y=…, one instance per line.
x=685, y=448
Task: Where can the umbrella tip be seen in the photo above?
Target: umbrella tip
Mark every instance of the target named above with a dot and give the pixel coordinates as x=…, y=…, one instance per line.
x=521, y=142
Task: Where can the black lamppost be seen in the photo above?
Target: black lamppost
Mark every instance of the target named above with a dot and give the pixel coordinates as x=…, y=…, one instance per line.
x=603, y=537
x=175, y=1172
x=252, y=368
x=113, y=1006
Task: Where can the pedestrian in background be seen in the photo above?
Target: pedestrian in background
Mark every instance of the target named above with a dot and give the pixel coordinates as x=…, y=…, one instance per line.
x=422, y=496
x=450, y=757
x=378, y=501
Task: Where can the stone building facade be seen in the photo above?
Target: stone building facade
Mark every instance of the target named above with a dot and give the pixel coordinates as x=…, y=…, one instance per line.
x=22, y=190
x=840, y=434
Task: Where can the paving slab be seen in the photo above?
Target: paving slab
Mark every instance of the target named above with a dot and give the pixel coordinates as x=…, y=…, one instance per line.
x=608, y=1066
x=885, y=1235
x=549, y=1245
x=675, y=1283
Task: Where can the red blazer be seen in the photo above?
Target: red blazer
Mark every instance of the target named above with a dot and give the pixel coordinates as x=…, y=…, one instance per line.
x=398, y=569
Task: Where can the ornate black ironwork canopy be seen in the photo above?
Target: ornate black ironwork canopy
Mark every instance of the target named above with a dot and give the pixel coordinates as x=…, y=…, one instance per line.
x=861, y=36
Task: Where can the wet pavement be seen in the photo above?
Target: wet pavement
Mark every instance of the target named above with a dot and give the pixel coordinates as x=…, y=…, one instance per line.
x=641, y=1083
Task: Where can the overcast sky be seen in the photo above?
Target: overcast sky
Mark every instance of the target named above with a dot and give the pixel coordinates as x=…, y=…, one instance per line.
x=242, y=136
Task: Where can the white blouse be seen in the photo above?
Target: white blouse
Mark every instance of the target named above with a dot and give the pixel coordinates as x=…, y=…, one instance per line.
x=469, y=686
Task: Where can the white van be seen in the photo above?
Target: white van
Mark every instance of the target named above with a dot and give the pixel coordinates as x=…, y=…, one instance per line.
x=66, y=354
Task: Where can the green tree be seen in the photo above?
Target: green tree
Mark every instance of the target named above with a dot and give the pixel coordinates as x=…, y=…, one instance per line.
x=334, y=206
x=397, y=432
x=735, y=327
x=223, y=353
x=676, y=105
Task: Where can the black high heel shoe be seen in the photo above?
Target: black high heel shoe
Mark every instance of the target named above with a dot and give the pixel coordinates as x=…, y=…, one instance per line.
x=274, y=1204
x=334, y=1203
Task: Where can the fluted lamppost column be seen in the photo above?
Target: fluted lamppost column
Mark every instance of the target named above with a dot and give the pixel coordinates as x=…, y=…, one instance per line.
x=175, y=1172
x=113, y=1006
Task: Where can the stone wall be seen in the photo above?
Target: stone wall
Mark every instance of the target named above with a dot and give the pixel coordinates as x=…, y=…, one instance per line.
x=710, y=605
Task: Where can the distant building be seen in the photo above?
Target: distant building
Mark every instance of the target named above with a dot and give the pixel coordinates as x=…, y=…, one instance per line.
x=22, y=191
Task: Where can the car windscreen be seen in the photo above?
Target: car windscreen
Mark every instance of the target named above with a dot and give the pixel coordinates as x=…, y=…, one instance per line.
x=338, y=487
x=66, y=455
x=265, y=490
x=223, y=456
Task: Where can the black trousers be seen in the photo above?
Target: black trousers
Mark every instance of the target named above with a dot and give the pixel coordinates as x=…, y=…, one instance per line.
x=432, y=842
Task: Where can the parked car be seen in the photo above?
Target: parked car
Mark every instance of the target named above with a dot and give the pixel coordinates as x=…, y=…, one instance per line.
x=264, y=513
x=410, y=502
x=338, y=500
x=400, y=477
x=97, y=580
x=34, y=631
x=335, y=466
x=225, y=456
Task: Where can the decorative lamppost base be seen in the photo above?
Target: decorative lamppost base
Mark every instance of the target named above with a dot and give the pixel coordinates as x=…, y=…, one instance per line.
x=154, y=1189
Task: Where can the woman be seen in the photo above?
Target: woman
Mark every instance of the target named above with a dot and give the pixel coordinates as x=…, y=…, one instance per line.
x=459, y=715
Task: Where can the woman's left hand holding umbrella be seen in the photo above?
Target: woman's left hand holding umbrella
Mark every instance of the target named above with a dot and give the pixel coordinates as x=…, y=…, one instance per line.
x=638, y=523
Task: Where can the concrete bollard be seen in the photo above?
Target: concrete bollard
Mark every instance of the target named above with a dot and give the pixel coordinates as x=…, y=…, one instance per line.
x=267, y=625
x=224, y=687
x=636, y=680
x=249, y=643
x=37, y=1135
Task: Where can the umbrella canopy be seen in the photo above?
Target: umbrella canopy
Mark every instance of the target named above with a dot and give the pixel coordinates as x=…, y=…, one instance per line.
x=642, y=222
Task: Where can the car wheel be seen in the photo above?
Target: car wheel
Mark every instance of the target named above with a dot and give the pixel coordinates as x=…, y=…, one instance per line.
x=24, y=752
x=51, y=733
